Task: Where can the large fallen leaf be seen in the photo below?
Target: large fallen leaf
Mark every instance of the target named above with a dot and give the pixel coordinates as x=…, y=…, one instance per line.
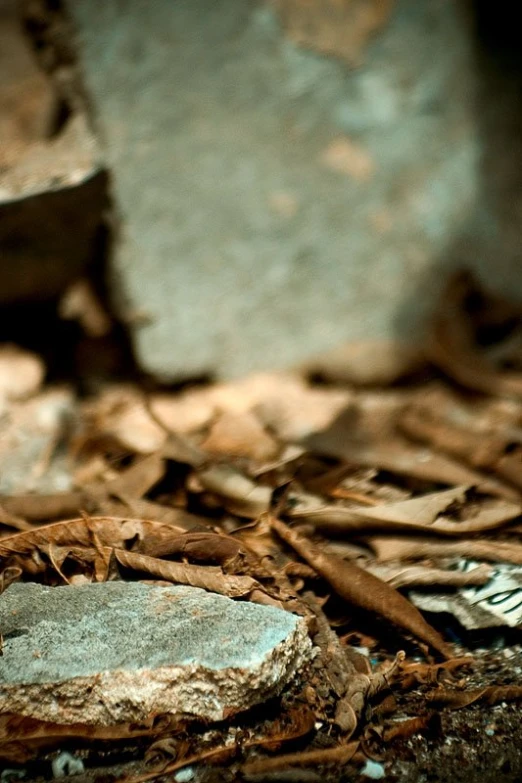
x=363, y=589
x=138, y=534
x=397, y=456
x=429, y=513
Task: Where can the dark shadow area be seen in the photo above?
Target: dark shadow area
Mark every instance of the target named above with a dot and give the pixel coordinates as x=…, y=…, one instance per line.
x=490, y=243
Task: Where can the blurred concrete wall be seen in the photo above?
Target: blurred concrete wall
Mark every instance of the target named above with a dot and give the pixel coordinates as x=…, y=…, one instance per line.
x=274, y=201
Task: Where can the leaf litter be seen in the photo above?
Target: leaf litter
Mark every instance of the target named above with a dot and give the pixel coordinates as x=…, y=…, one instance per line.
x=344, y=505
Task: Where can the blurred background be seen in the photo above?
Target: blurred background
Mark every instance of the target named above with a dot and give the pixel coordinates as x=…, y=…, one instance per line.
x=202, y=188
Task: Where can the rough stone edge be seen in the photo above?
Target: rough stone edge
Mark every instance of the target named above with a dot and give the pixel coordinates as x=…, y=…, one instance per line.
x=120, y=696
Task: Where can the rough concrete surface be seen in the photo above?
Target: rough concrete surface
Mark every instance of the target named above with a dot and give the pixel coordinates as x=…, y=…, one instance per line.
x=275, y=202
x=118, y=652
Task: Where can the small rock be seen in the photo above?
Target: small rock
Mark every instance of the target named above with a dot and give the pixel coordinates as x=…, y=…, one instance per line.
x=184, y=775
x=119, y=652
x=373, y=770
x=66, y=764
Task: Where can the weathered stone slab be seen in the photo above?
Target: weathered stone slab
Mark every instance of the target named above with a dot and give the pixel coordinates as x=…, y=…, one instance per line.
x=276, y=203
x=118, y=652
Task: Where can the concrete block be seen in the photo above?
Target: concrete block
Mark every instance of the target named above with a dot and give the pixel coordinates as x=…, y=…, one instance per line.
x=117, y=652
x=276, y=203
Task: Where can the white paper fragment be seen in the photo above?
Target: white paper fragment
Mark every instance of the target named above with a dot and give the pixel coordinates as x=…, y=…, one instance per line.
x=497, y=603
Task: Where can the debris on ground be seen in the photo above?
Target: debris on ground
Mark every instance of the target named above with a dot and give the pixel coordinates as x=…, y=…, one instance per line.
x=365, y=542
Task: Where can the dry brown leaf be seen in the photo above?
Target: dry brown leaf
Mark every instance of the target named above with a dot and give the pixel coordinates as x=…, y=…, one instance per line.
x=452, y=433
x=22, y=738
x=207, y=577
x=120, y=414
x=407, y=728
x=436, y=512
x=341, y=754
x=428, y=513
x=39, y=508
x=342, y=440
x=400, y=575
x=363, y=589
x=409, y=548
x=492, y=694
x=107, y=531
x=240, y=435
x=155, y=512
x=297, y=723
x=30, y=432
x=237, y=492
x=8, y=519
x=138, y=479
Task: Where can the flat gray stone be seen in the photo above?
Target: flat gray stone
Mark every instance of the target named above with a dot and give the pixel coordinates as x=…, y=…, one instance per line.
x=274, y=202
x=119, y=651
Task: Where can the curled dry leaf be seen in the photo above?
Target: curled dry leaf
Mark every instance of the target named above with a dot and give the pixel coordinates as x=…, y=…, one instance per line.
x=416, y=672
x=389, y=548
x=407, y=728
x=399, y=575
x=22, y=738
x=489, y=695
x=341, y=754
x=298, y=723
x=207, y=577
x=364, y=590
